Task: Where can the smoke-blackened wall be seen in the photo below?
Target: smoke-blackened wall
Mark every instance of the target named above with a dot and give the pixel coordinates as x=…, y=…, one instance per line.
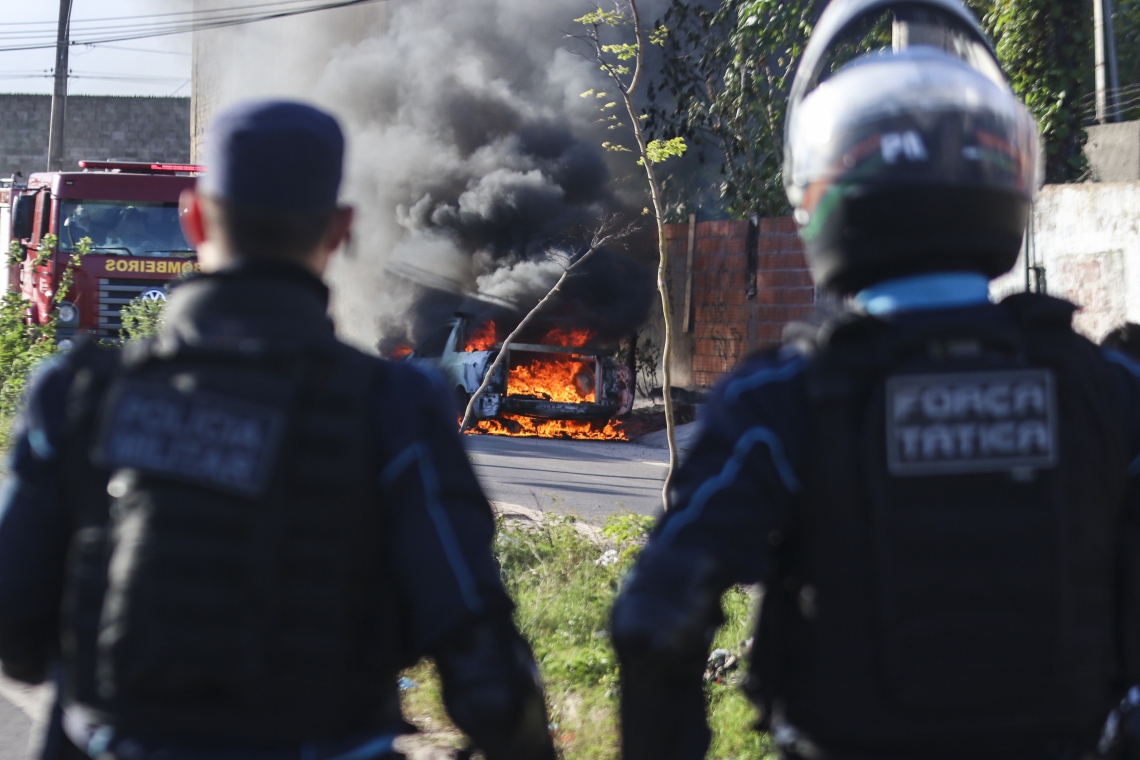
x=471, y=151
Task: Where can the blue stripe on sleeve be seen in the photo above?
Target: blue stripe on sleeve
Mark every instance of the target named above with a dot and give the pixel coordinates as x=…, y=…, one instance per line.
x=1122, y=360
x=418, y=453
x=728, y=475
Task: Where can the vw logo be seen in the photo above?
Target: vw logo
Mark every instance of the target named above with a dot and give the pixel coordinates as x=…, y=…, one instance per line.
x=154, y=294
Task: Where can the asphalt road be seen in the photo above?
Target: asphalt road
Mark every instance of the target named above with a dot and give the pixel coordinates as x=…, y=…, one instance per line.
x=590, y=479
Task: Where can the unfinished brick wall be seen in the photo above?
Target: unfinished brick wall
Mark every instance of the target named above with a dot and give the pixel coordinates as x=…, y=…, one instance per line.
x=746, y=283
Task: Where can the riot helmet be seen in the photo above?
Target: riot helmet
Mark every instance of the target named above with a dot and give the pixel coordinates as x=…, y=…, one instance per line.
x=913, y=158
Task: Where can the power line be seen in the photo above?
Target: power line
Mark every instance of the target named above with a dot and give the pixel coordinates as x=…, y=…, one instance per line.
x=99, y=75
x=275, y=6
x=138, y=50
x=155, y=24
x=218, y=20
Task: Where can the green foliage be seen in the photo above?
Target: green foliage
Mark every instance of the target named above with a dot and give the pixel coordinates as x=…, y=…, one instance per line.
x=725, y=81
x=628, y=530
x=661, y=150
x=16, y=253
x=22, y=347
x=624, y=51
x=563, y=581
x=141, y=318
x=45, y=249
x=1045, y=47
x=731, y=715
x=611, y=57
x=729, y=67
x=67, y=277
x=1127, y=21
x=602, y=17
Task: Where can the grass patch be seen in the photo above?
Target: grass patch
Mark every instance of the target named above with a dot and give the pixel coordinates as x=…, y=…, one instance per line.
x=563, y=576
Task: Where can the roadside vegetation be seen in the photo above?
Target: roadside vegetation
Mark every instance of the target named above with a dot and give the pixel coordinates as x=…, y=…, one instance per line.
x=24, y=346
x=563, y=575
x=141, y=318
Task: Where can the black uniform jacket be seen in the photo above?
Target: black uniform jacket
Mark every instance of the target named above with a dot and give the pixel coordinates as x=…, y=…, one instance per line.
x=441, y=525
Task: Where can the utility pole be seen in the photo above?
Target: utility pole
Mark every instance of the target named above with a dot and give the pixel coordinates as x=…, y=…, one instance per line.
x=1098, y=60
x=1110, y=50
x=1104, y=50
x=59, y=94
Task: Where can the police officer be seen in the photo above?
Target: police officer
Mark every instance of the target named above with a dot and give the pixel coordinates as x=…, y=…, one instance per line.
x=932, y=489
x=227, y=541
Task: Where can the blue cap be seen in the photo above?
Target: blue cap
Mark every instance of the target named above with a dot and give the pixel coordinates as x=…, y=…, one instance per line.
x=274, y=155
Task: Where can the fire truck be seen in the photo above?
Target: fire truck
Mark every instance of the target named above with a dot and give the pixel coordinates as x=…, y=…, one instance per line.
x=129, y=210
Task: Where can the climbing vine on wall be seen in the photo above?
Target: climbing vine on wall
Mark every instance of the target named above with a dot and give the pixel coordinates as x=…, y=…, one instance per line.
x=728, y=67
x=1046, y=49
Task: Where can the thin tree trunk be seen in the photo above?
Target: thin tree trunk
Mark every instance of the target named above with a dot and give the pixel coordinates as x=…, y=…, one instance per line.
x=662, y=259
x=631, y=363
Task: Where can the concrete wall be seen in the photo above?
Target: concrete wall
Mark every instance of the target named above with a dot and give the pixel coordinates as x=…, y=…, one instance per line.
x=1113, y=152
x=97, y=127
x=1086, y=237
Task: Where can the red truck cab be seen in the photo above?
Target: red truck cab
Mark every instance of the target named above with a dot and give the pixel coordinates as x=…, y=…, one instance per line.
x=130, y=212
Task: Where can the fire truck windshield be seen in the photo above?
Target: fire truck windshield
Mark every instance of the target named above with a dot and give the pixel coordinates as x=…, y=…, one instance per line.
x=126, y=228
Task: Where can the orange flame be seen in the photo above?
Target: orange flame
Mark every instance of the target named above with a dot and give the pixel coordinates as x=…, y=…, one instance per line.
x=482, y=338
x=552, y=377
x=512, y=425
x=400, y=351
x=567, y=336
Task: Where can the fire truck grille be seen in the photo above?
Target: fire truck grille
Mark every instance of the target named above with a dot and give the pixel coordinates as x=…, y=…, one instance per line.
x=113, y=295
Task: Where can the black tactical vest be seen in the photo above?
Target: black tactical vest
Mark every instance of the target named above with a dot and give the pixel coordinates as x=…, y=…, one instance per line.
x=227, y=579
x=950, y=586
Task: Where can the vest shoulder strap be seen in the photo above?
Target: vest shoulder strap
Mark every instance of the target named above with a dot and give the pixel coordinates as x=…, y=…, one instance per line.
x=1037, y=311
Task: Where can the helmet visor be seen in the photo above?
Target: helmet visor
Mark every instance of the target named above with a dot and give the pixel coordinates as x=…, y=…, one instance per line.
x=918, y=116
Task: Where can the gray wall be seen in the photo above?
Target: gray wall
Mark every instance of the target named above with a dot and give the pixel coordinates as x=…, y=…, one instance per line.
x=1113, y=152
x=1087, y=237
x=98, y=127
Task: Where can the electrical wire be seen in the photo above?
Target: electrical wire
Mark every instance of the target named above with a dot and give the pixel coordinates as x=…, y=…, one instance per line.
x=102, y=33
x=138, y=50
x=107, y=77
x=274, y=4
x=1127, y=96
x=184, y=21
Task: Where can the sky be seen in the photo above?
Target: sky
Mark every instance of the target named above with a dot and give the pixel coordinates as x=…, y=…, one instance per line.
x=154, y=66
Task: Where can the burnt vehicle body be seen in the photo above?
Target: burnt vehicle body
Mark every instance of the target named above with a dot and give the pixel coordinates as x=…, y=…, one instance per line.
x=578, y=383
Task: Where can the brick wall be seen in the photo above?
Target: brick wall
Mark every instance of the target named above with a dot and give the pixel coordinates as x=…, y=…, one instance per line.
x=97, y=127
x=747, y=282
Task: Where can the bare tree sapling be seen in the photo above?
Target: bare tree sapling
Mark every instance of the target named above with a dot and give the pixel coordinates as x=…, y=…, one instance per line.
x=614, y=59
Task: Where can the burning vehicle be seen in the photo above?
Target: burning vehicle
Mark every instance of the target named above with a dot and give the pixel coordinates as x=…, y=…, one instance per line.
x=558, y=387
